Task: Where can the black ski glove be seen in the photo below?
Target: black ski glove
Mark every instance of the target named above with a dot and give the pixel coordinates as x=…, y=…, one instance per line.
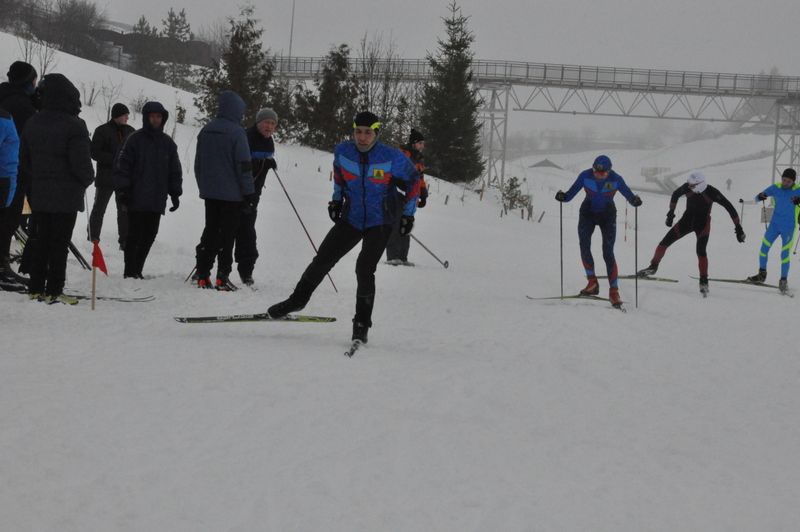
x=249, y=204
x=270, y=164
x=796, y=200
x=406, y=225
x=335, y=210
x=670, y=218
x=560, y=196
x=636, y=201
x=176, y=202
x=423, y=198
x=5, y=188
x=739, y=233
x=761, y=196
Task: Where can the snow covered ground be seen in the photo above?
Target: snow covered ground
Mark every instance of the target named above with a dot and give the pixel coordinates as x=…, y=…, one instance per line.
x=472, y=407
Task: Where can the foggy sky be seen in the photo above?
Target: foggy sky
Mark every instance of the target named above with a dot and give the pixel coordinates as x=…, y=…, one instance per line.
x=742, y=36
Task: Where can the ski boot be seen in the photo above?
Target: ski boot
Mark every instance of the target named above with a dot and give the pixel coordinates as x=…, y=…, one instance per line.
x=223, y=284
x=783, y=285
x=8, y=275
x=279, y=310
x=37, y=296
x=360, y=332
x=62, y=298
x=247, y=279
x=394, y=262
x=647, y=272
x=613, y=296
x=592, y=288
x=760, y=277
x=204, y=282
x=704, y=286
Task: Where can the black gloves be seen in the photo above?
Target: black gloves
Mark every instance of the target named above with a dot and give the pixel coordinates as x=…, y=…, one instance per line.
x=761, y=196
x=249, y=204
x=335, y=210
x=5, y=188
x=176, y=202
x=636, y=201
x=406, y=225
x=423, y=198
x=670, y=218
x=739, y=233
x=796, y=200
x=560, y=196
x=270, y=164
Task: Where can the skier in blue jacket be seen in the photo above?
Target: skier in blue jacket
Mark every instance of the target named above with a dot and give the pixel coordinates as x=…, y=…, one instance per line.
x=786, y=196
x=9, y=159
x=368, y=179
x=600, y=183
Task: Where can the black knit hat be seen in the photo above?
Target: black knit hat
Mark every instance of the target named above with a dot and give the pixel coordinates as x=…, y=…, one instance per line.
x=119, y=109
x=790, y=173
x=367, y=119
x=20, y=73
x=415, y=136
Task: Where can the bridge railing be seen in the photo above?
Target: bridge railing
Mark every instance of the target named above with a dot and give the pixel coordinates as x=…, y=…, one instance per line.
x=588, y=77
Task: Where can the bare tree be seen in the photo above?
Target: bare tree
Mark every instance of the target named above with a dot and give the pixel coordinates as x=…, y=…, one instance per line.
x=216, y=35
x=110, y=94
x=38, y=53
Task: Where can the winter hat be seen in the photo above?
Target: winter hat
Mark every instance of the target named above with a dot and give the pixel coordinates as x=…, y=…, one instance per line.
x=367, y=119
x=697, y=181
x=602, y=164
x=415, y=136
x=21, y=73
x=119, y=109
x=266, y=114
x=790, y=173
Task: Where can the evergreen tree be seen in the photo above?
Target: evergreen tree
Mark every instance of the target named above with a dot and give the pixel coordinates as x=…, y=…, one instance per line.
x=176, y=33
x=449, y=114
x=245, y=68
x=327, y=114
x=146, y=49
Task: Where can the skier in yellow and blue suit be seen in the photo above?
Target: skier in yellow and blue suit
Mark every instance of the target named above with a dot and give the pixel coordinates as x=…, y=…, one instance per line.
x=786, y=196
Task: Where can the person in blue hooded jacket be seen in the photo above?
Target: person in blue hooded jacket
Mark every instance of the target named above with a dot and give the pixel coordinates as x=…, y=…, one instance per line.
x=9, y=159
x=786, y=196
x=600, y=183
x=369, y=179
x=146, y=172
x=222, y=167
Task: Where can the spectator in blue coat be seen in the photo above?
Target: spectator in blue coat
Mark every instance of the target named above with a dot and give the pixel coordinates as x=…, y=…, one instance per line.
x=9, y=159
x=222, y=168
x=367, y=176
x=146, y=172
x=600, y=183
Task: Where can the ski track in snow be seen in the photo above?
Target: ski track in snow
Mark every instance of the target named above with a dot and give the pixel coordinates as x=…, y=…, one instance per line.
x=471, y=408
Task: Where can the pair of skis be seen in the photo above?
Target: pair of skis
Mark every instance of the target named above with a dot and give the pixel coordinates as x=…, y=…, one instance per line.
x=787, y=293
x=262, y=317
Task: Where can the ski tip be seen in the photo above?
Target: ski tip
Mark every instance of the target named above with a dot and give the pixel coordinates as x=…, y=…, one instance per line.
x=180, y=320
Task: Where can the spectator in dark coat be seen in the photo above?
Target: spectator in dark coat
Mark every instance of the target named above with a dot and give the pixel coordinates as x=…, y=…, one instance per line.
x=106, y=143
x=18, y=96
x=146, y=172
x=56, y=155
x=262, y=153
x=223, y=170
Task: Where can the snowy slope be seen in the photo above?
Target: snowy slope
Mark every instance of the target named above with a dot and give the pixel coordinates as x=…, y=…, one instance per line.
x=472, y=408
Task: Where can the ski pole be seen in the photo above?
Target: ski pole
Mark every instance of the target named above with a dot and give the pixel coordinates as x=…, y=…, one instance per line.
x=561, y=239
x=636, y=253
x=446, y=264
x=190, y=275
x=764, y=213
x=302, y=224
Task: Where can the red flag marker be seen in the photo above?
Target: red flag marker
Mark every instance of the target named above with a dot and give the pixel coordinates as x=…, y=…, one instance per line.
x=97, y=257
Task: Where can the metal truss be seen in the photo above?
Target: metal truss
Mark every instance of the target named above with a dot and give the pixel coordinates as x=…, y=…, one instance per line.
x=493, y=114
x=787, y=136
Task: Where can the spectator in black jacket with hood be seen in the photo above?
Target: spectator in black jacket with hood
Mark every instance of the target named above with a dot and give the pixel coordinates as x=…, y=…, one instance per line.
x=146, y=172
x=106, y=143
x=19, y=97
x=56, y=155
x=222, y=168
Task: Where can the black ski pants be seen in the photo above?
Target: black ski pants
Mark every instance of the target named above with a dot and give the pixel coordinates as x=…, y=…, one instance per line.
x=102, y=195
x=397, y=247
x=246, y=250
x=222, y=221
x=337, y=243
x=142, y=231
x=48, y=251
x=10, y=219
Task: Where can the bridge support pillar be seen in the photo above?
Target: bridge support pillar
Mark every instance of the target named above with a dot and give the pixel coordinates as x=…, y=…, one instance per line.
x=494, y=118
x=787, y=136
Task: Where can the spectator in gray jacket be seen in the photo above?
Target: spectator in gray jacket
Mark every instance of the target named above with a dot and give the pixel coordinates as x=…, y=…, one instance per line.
x=222, y=168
